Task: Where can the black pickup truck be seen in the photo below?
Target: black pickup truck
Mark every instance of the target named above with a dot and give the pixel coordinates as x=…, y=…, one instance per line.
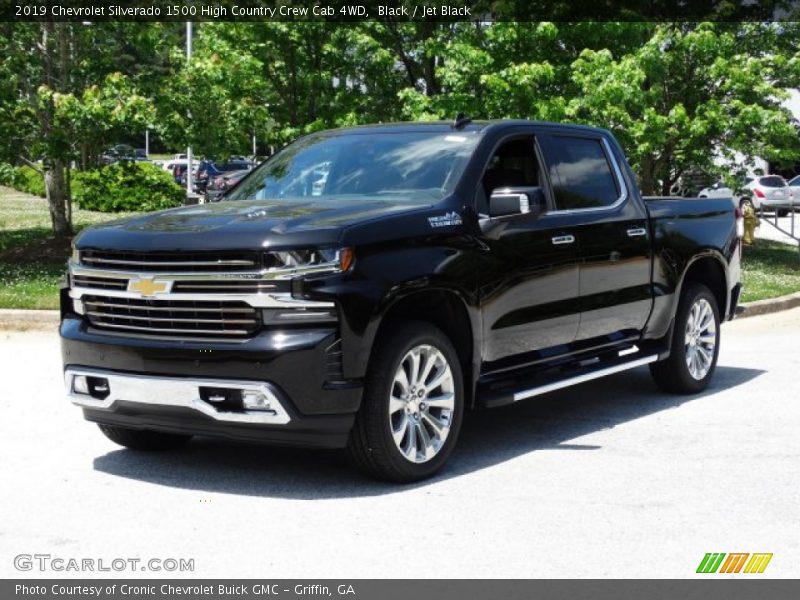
x=364, y=287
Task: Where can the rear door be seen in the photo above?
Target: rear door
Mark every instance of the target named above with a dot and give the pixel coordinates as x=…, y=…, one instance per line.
x=610, y=223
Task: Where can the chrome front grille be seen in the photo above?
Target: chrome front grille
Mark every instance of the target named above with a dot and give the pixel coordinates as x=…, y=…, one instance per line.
x=187, y=318
x=172, y=262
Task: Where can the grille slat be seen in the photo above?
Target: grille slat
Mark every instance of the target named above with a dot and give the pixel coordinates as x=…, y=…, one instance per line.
x=185, y=317
x=173, y=262
x=103, y=283
x=92, y=313
x=232, y=332
x=168, y=308
x=232, y=286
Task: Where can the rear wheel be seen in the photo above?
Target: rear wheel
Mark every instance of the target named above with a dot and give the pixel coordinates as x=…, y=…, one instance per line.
x=695, y=344
x=411, y=412
x=143, y=439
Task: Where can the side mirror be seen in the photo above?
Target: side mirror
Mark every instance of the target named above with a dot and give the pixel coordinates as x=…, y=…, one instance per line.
x=516, y=201
x=716, y=185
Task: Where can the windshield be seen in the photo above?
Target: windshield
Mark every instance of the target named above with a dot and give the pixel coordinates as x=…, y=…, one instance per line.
x=415, y=166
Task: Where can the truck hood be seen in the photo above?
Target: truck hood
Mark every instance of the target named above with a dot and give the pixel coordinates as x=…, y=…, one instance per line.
x=239, y=225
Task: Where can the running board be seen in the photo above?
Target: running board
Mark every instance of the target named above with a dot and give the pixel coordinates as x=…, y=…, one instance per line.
x=509, y=392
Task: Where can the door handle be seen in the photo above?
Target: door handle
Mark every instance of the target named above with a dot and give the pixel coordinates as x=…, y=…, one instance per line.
x=563, y=239
x=637, y=232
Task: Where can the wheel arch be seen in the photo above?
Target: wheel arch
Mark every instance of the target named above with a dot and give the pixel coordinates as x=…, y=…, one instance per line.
x=708, y=268
x=449, y=311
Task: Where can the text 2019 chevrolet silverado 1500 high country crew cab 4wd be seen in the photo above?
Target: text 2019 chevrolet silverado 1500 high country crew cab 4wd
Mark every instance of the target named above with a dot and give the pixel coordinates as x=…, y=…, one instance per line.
x=364, y=287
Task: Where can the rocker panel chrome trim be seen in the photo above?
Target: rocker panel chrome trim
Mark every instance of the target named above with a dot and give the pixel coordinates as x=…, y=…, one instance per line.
x=570, y=381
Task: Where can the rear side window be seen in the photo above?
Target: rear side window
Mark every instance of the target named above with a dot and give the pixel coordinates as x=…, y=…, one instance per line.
x=580, y=173
x=772, y=181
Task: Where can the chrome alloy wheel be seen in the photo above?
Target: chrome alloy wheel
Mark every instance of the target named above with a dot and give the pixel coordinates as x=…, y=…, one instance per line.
x=421, y=403
x=701, y=338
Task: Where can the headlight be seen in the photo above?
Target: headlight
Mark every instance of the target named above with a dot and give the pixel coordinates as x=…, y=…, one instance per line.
x=313, y=259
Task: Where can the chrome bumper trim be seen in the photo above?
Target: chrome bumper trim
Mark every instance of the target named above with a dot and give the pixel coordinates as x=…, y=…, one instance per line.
x=176, y=392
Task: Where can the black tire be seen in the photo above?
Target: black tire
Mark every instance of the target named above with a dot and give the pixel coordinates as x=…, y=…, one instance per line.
x=143, y=439
x=371, y=445
x=673, y=374
x=783, y=212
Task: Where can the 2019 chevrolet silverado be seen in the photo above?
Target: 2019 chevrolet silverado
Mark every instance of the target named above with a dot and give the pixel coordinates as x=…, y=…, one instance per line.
x=365, y=287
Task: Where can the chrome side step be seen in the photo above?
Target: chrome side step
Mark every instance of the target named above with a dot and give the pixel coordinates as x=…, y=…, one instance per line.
x=527, y=385
x=596, y=374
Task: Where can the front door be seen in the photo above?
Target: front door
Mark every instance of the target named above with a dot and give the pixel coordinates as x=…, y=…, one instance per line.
x=529, y=284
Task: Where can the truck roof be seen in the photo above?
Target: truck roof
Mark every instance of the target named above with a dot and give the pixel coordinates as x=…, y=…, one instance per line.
x=447, y=126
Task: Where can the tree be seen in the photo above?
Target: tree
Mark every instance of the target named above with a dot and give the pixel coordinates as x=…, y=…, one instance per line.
x=690, y=93
x=66, y=95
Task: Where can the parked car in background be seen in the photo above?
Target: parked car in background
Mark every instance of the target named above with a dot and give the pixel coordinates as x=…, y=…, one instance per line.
x=794, y=188
x=772, y=193
x=741, y=196
x=123, y=152
x=177, y=167
x=222, y=183
x=209, y=169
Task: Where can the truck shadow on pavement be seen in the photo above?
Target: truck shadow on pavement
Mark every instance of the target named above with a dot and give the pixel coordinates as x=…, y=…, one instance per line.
x=488, y=438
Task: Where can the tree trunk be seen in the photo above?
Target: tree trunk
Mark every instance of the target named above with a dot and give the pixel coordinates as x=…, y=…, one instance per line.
x=647, y=180
x=55, y=186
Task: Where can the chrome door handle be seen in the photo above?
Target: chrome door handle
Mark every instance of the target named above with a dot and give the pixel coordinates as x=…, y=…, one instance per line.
x=637, y=232
x=563, y=239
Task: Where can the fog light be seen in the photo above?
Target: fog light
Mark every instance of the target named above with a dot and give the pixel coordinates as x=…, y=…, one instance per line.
x=80, y=385
x=256, y=400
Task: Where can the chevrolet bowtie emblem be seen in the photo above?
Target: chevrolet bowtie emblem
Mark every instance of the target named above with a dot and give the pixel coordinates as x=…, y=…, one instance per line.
x=148, y=286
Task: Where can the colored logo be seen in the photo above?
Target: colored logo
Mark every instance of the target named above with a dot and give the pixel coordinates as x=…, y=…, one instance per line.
x=148, y=286
x=719, y=562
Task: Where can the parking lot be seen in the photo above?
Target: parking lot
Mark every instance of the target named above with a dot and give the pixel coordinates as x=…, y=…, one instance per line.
x=609, y=479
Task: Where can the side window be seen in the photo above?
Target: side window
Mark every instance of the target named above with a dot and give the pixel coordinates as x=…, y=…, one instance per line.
x=580, y=173
x=514, y=164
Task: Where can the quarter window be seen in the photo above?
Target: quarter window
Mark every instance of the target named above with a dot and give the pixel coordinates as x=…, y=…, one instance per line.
x=580, y=173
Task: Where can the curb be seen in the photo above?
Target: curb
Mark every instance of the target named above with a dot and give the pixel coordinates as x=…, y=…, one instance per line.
x=770, y=305
x=14, y=319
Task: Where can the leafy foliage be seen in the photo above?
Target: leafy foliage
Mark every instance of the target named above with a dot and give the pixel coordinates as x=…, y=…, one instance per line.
x=127, y=186
x=679, y=96
x=27, y=179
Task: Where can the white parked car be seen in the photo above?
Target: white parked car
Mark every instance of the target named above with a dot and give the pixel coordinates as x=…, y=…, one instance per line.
x=742, y=197
x=794, y=188
x=772, y=193
x=764, y=192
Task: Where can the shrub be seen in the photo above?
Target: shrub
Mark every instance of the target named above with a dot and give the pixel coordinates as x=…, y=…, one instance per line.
x=28, y=180
x=124, y=187
x=8, y=174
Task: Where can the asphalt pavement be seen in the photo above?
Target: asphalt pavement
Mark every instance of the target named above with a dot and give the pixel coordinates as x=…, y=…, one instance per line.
x=609, y=479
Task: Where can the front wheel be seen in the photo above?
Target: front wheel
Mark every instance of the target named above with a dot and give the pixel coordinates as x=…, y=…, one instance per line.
x=411, y=411
x=695, y=344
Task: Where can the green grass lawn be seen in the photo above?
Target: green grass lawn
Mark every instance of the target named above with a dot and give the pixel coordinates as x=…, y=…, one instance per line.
x=31, y=265
x=769, y=269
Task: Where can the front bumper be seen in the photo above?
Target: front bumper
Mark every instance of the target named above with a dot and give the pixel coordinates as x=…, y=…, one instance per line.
x=154, y=384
